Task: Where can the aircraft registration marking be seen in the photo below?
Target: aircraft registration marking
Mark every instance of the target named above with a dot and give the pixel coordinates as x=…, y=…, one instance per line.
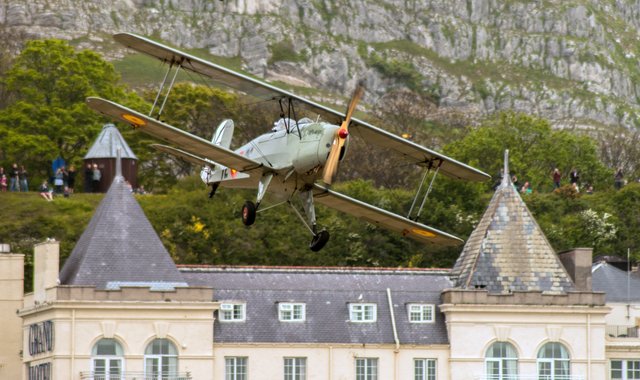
x=136, y=121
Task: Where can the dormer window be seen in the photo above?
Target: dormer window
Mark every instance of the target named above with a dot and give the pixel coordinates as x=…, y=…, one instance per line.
x=362, y=312
x=291, y=312
x=232, y=312
x=420, y=313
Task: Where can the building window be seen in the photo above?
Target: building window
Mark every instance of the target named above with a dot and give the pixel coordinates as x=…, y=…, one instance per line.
x=107, y=360
x=235, y=368
x=366, y=369
x=420, y=313
x=424, y=369
x=295, y=368
x=625, y=369
x=501, y=361
x=362, y=312
x=553, y=362
x=161, y=359
x=232, y=312
x=291, y=312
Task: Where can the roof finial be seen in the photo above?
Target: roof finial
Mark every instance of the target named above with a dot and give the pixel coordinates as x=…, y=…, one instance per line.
x=118, y=164
x=505, y=175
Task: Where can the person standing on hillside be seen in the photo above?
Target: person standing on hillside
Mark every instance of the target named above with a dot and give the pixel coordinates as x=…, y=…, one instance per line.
x=14, y=176
x=574, y=177
x=557, y=176
x=71, y=178
x=88, y=175
x=24, y=180
x=618, y=179
x=96, y=176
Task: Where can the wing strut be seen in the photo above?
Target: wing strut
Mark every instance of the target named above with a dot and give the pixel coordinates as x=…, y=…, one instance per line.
x=430, y=166
x=164, y=82
x=291, y=111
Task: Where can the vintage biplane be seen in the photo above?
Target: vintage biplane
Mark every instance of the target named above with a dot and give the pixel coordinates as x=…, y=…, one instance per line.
x=295, y=158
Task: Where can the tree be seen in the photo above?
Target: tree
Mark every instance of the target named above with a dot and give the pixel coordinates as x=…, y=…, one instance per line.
x=534, y=151
x=47, y=116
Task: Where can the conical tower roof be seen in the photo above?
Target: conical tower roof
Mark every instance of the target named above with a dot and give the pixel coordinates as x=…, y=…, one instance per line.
x=508, y=251
x=120, y=248
x=107, y=144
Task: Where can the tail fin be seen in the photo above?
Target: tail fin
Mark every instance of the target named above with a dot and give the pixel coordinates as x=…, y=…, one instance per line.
x=223, y=134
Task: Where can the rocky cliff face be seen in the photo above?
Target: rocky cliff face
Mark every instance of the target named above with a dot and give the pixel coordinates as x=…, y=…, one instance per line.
x=574, y=62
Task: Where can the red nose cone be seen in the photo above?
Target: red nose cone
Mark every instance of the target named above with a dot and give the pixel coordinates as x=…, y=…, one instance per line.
x=343, y=133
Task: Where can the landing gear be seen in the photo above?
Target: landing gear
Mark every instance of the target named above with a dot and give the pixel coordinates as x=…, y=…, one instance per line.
x=248, y=213
x=319, y=240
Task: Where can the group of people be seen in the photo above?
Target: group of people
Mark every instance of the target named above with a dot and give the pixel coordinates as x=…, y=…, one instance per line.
x=64, y=181
x=15, y=180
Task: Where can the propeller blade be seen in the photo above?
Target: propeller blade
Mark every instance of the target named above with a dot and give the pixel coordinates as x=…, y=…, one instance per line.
x=331, y=166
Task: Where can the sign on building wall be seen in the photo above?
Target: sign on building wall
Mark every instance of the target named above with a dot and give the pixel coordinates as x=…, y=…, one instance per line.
x=41, y=340
x=40, y=371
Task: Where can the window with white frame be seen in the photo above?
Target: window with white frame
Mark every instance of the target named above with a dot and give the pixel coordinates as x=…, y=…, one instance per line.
x=291, y=312
x=501, y=361
x=420, y=313
x=107, y=359
x=424, y=369
x=366, y=368
x=235, y=368
x=554, y=362
x=232, y=312
x=362, y=312
x=625, y=369
x=295, y=368
x=160, y=360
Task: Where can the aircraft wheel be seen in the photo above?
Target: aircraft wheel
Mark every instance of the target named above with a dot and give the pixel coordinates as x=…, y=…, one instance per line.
x=248, y=213
x=319, y=241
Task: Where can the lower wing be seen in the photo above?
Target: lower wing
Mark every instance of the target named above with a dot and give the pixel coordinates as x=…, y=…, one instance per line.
x=383, y=218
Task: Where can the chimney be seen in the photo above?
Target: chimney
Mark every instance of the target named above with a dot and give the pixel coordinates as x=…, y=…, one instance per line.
x=578, y=262
x=46, y=268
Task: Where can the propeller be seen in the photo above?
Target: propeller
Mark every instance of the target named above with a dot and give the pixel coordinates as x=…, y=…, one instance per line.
x=331, y=166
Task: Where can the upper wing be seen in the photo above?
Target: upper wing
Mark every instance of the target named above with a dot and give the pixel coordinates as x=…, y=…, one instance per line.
x=383, y=218
x=413, y=152
x=190, y=143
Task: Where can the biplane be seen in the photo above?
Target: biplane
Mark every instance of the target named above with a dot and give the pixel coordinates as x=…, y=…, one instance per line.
x=295, y=160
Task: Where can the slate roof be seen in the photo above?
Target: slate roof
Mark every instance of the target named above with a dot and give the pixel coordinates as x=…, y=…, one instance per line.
x=613, y=281
x=327, y=293
x=508, y=251
x=119, y=246
x=107, y=144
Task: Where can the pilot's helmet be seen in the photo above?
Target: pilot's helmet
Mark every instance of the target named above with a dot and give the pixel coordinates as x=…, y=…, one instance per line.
x=281, y=124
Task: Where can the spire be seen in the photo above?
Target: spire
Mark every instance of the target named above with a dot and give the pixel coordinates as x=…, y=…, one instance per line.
x=119, y=247
x=508, y=251
x=506, y=178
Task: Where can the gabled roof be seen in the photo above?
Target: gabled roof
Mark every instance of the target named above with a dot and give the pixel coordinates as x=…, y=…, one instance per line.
x=508, y=251
x=120, y=248
x=619, y=285
x=107, y=144
x=326, y=293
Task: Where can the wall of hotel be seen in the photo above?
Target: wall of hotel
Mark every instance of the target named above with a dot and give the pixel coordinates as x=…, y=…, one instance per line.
x=78, y=326
x=11, y=285
x=473, y=328
x=266, y=361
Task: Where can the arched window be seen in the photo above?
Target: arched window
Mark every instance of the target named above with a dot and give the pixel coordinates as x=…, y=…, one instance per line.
x=553, y=362
x=501, y=362
x=160, y=360
x=107, y=359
